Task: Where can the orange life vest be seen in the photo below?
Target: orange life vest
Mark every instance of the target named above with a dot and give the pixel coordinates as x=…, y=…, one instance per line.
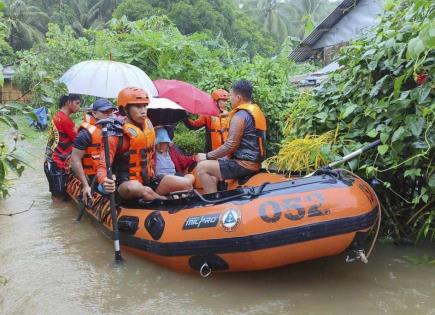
x=92, y=153
x=140, y=156
x=217, y=129
x=245, y=152
x=87, y=117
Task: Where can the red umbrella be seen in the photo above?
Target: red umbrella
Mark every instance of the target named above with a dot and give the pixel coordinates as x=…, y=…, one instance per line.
x=187, y=96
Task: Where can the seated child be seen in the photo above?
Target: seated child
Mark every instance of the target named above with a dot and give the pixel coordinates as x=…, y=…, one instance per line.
x=169, y=160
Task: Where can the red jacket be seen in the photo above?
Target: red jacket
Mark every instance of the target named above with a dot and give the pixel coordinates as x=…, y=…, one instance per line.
x=181, y=161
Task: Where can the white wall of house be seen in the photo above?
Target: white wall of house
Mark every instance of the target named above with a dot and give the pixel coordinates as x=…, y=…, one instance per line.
x=360, y=18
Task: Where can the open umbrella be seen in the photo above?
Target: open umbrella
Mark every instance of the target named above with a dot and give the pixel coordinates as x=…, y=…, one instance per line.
x=189, y=97
x=162, y=111
x=105, y=78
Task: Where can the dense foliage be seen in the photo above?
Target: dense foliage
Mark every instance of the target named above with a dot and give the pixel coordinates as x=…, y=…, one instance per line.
x=10, y=162
x=385, y=90
x=156, y=46
x=213, y=17
x=27, y=20
x=260, y=24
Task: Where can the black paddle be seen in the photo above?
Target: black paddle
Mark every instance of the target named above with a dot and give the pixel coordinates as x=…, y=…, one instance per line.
x=352, y=155
x=82, y=208
x=105, y=123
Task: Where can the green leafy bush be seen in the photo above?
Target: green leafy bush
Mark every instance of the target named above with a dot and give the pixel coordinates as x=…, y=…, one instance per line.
x=385, y=91
x=190, y=141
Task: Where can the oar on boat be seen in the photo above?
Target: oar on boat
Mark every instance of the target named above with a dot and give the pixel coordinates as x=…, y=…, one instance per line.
x=351, y=156
x=82, y=208
x=105, y=123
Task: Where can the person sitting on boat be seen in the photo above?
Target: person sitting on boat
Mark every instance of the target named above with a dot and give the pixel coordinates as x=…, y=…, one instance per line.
x=87, y=146
x=132, y=153
x=169, y=160
x=216, y=128
x=59, y=146
x=245, y=144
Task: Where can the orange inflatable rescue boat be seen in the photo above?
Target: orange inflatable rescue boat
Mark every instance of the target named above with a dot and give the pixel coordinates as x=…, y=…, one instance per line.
x=262, y=222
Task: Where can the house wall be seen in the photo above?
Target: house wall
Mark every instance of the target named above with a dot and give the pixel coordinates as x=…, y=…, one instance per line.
x=9, y=93
x=353, y=24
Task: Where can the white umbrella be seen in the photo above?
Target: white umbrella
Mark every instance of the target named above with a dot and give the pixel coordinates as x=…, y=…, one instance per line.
x=163, y=111
x=163, y=103
x=105, y=78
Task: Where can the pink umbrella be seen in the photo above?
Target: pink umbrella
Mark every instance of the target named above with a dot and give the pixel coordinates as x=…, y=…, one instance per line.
x=187, y=96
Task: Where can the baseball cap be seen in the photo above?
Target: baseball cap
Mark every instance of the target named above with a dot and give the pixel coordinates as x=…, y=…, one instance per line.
x=102, y=105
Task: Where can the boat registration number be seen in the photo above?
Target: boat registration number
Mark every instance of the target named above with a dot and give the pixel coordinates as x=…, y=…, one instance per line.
x=293, y=208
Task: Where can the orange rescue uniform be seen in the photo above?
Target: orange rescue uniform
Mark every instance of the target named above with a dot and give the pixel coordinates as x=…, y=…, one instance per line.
x=133, y=159
x=216, y=129
x=92, y=153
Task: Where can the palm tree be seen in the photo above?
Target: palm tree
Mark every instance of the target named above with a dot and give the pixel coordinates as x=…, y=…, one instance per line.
x=307, y=14
x=86, y=15
x=26, y=24
x=285, y=18
x=272, y=14
x=107, y=7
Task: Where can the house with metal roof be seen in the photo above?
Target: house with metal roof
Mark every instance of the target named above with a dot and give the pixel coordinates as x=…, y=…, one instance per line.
x=350, y=19
x=8, y=91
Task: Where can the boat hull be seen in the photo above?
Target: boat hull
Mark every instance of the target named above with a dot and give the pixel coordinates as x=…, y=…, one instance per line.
x=248, y=228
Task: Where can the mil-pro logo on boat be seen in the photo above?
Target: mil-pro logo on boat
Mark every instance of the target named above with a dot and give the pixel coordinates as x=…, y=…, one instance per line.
x=231, y=219
x=201, y=221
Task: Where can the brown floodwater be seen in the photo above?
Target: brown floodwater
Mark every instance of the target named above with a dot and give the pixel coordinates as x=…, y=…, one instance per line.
x=51, y=265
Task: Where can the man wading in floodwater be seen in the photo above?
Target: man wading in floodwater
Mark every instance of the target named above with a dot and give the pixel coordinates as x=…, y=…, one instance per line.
x=60, y=144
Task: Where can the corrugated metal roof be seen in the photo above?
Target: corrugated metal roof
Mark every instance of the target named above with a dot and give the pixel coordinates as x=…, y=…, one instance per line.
x=314, y=78
x=8, y=72
x=304, y=50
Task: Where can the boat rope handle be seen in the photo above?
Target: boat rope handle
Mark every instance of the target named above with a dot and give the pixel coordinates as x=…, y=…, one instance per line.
x=217, y=200
x=205, y=270
x=249, y=192
x=363, y=257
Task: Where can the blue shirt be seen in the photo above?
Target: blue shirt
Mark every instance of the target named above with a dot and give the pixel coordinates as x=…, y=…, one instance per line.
x=164, y=164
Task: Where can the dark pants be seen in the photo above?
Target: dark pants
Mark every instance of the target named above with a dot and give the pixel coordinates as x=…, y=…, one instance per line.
x=57, y=179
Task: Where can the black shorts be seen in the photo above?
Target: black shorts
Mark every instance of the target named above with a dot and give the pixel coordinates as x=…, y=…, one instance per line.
x=57, y=179
x=231, y=169
x=155, y=182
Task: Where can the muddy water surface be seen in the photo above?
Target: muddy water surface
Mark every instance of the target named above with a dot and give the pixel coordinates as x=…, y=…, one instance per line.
x=55, y=266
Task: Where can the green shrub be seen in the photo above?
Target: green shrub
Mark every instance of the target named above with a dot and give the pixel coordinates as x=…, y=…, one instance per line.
x=385, y=91
x=190, y=141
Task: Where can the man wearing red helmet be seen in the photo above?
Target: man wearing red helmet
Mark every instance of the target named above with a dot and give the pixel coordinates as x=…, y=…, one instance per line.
x=132, y=154
x=216, y=128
